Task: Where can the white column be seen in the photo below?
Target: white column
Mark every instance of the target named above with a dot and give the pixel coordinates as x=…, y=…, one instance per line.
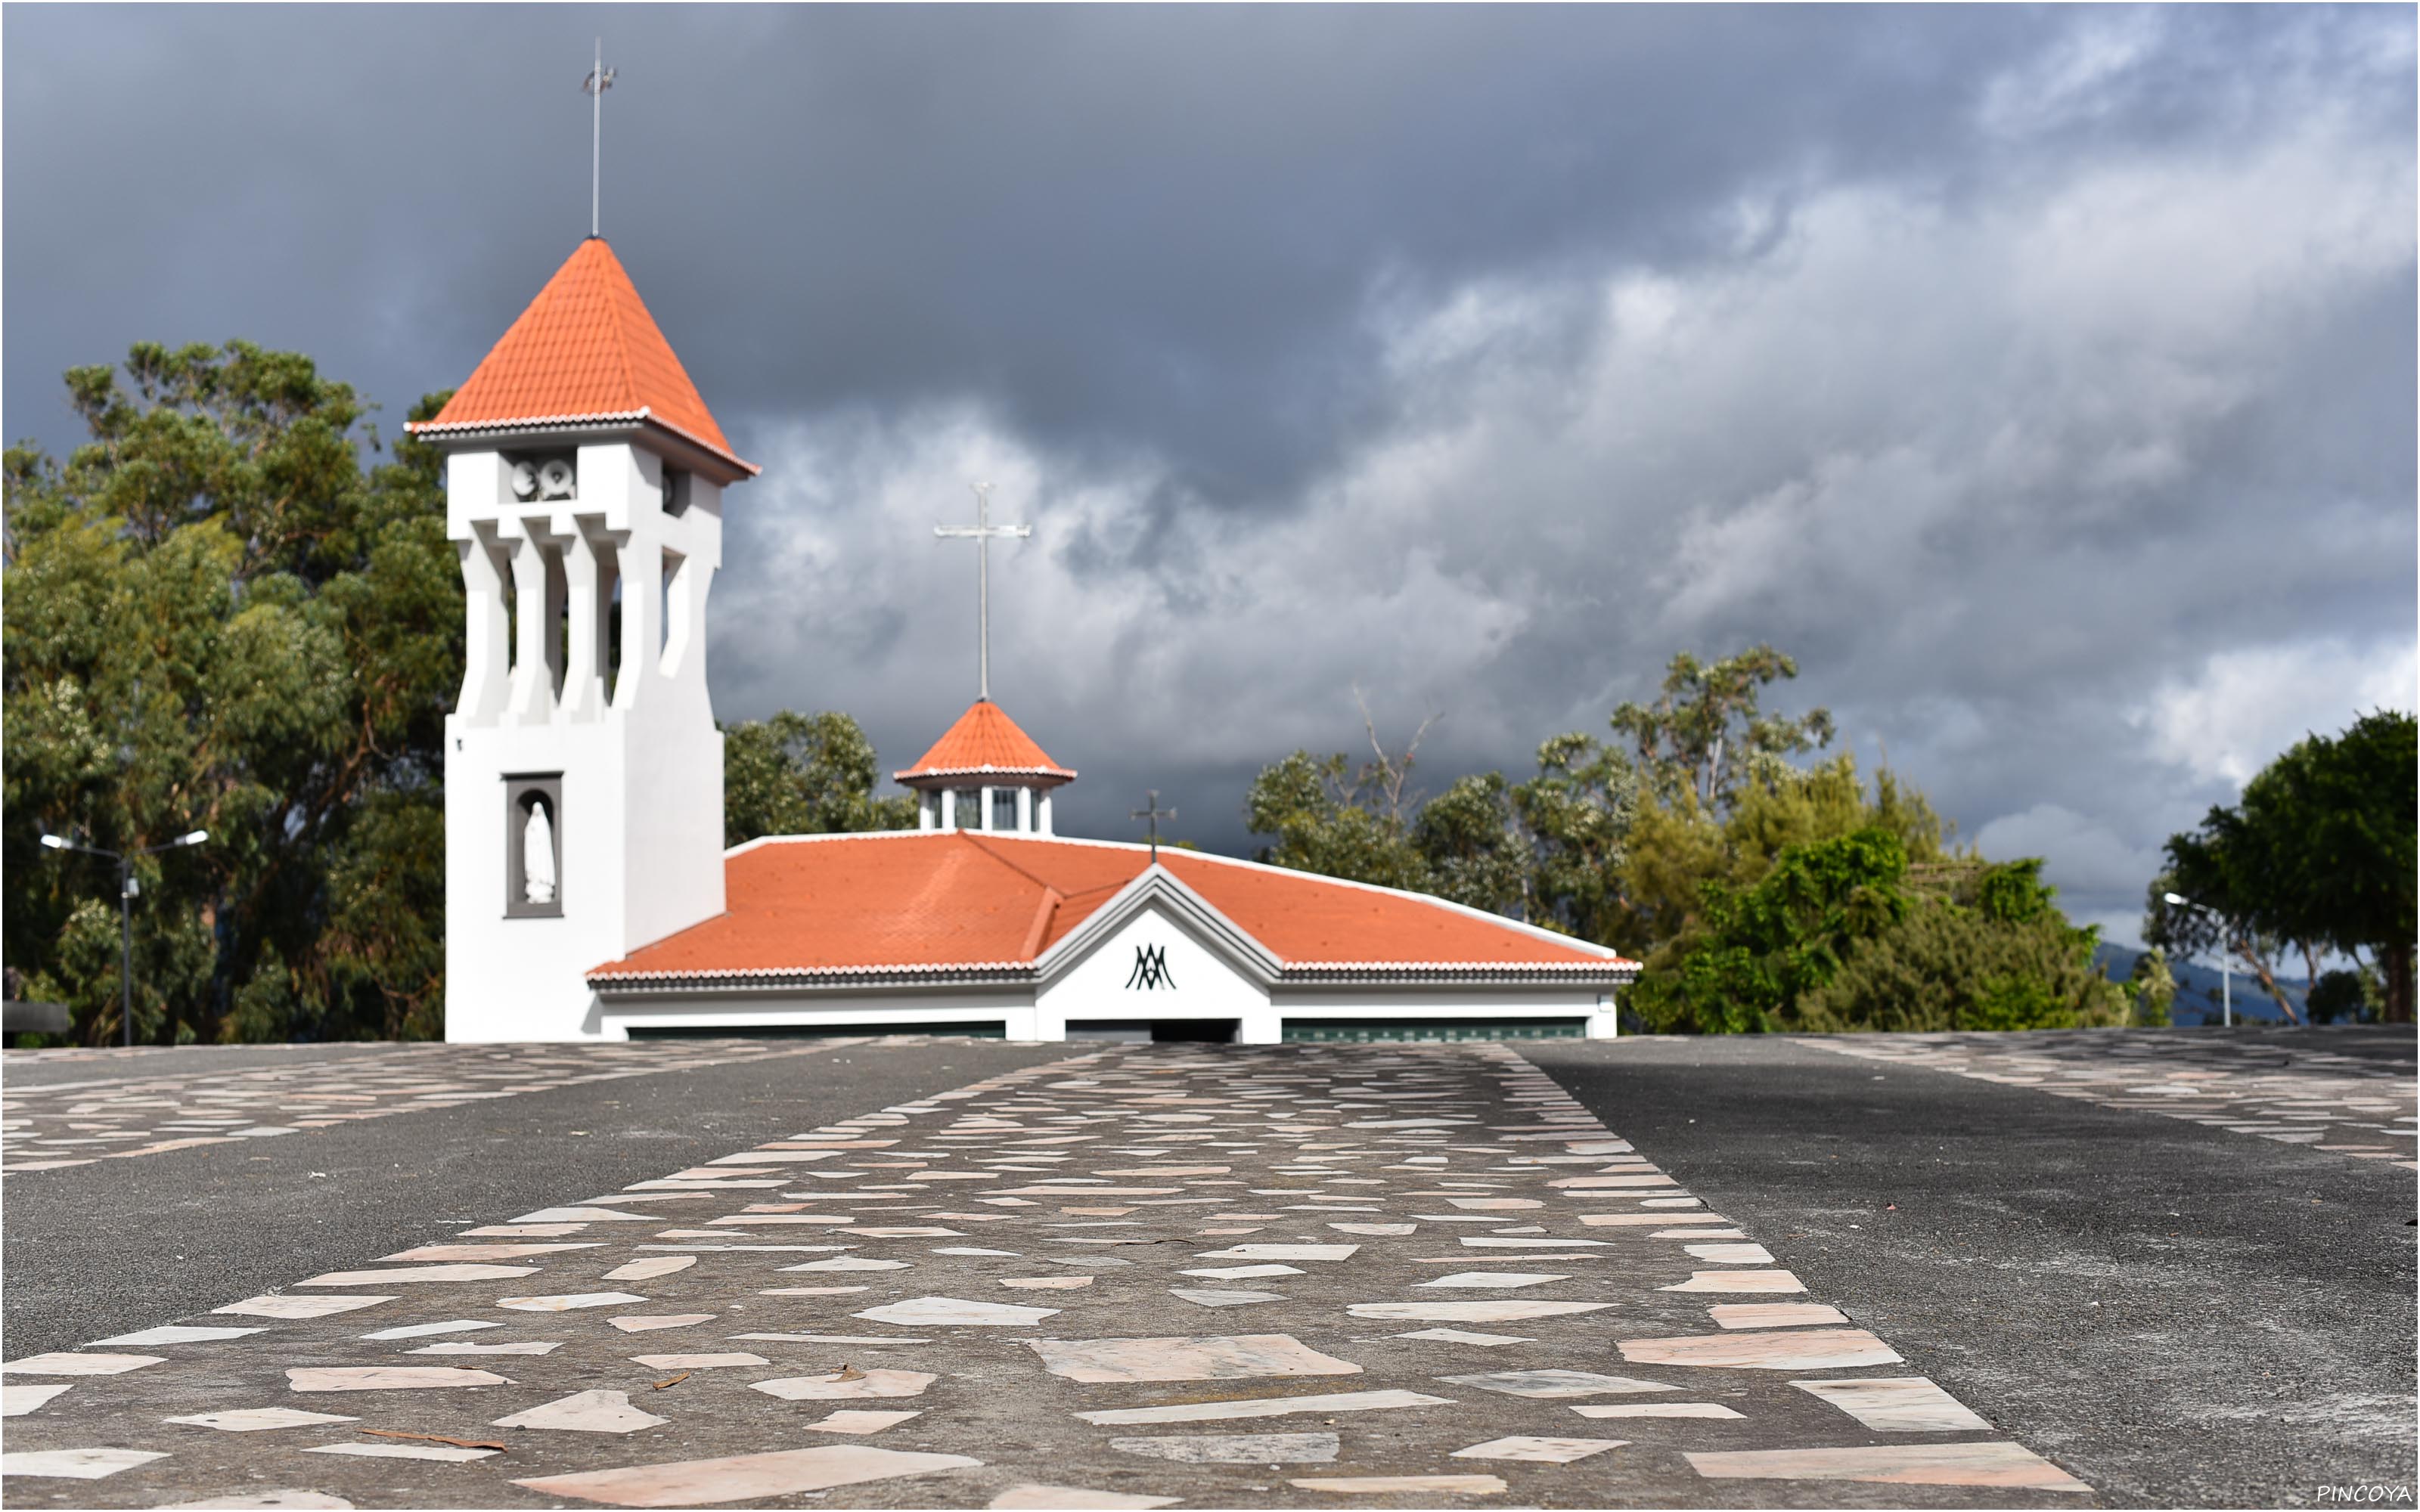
x=925, y=811
x=1043, y=826
x=1024, y=811
x=985, y=801
x=487, y=660
x=533, y=700
x=640, y=561
x=949, y=807
x=584, y=678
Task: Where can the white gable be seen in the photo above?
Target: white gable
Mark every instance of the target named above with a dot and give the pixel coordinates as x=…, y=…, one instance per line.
x=1152, y=964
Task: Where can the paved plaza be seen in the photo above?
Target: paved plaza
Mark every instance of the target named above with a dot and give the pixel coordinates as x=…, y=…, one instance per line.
x=1914, y=1271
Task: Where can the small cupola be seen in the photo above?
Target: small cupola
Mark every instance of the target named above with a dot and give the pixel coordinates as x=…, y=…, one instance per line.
x=985, y=774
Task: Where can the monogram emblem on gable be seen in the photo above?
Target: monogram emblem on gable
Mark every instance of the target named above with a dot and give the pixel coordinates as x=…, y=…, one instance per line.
x=1150, y=969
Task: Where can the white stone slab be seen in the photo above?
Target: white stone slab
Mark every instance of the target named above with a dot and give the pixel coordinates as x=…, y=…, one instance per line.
x=388, y=1377
x=442, y=1453
x=393, y=1275
x=1732, y=1253
x=957, y=1311
x=2003, y=1465
x=650, y=1268
x=847, y=1385
x=1418, y=1486
x=1499, y=1280
x=279, y=1307
x=1554, y=1385
x=16, y=1401
x=1812, y=1349
x=416, y=1331
x=1775, y=1315
x=1745, y=1282
x=260, y=1419
x=72, y=1362
x=1494, y=1310
x=1455, y=1335
x=1207, y=1297
x=566, y=1303
x=76, y=1464
x=1281, y=1252
x=1232, y=1357
x=1236, y=1449
x=1655, y=1410
x=646, y=1325
x=1543, y=1451
x=744, y=1477
x=176, y=1334
x=1907, y=1404
x=587, y=1412
x=1492, y=1242
x=1243, y=1272
x=1034, y=1496
x=860, y=1420
x=1351, y=1402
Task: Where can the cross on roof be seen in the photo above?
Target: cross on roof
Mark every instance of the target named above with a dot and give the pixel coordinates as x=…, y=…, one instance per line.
x=981, y=533
x=601, y=78
x=1152, y=811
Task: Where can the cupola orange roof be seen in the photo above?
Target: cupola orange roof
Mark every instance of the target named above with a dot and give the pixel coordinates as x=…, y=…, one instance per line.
x=585, y=351
x=985, y=742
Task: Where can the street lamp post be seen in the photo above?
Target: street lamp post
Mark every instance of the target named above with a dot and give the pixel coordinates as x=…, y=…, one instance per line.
x=125, y=860
x=2225, y=962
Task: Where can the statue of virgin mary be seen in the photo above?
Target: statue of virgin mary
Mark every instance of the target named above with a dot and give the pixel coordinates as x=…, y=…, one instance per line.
x=537, y=854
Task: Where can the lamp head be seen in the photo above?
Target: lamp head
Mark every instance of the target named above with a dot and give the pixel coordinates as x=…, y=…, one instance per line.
x=195, y=838
x=2179, y=899
x=55, y=843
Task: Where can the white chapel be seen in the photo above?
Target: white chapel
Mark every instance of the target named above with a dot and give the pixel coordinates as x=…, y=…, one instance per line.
x=588, y=891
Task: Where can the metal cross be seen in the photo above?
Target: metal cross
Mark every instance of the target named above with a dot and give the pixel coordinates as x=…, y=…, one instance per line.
x=980, y=533
x=1152, y=811
x=601, y=78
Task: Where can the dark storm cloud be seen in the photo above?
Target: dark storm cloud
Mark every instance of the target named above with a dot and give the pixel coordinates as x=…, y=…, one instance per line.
x=2044, y=379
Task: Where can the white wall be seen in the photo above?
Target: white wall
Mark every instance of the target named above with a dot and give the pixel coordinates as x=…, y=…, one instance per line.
x=1205, y=984
x=1406, y=1004
x=642, y=820
x=1095, y=991
x=1012, y=1009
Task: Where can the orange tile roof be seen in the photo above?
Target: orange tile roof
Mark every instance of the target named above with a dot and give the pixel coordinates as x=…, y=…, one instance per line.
x=985, y=741
x=955, y=903
x=586, y=349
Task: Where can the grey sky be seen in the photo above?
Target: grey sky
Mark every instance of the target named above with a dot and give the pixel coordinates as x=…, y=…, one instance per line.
x=2043, y=379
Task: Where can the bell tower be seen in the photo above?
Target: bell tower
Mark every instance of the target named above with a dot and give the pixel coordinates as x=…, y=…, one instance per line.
x=583, y=773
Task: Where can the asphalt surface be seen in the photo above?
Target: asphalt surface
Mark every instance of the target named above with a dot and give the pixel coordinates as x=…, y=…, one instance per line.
x=97, y=1250
x=2182, y=1315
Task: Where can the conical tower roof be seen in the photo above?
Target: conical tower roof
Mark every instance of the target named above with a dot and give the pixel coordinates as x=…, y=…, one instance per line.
x=585, y=350
x=986, y=742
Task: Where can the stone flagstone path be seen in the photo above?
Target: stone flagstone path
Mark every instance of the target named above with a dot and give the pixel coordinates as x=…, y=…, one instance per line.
x=76, y=1123
x=1134, y=1279
x=2294, y=1093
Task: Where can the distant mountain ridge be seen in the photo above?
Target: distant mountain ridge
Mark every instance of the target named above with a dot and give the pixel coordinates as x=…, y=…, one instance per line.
x=2198, y=988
